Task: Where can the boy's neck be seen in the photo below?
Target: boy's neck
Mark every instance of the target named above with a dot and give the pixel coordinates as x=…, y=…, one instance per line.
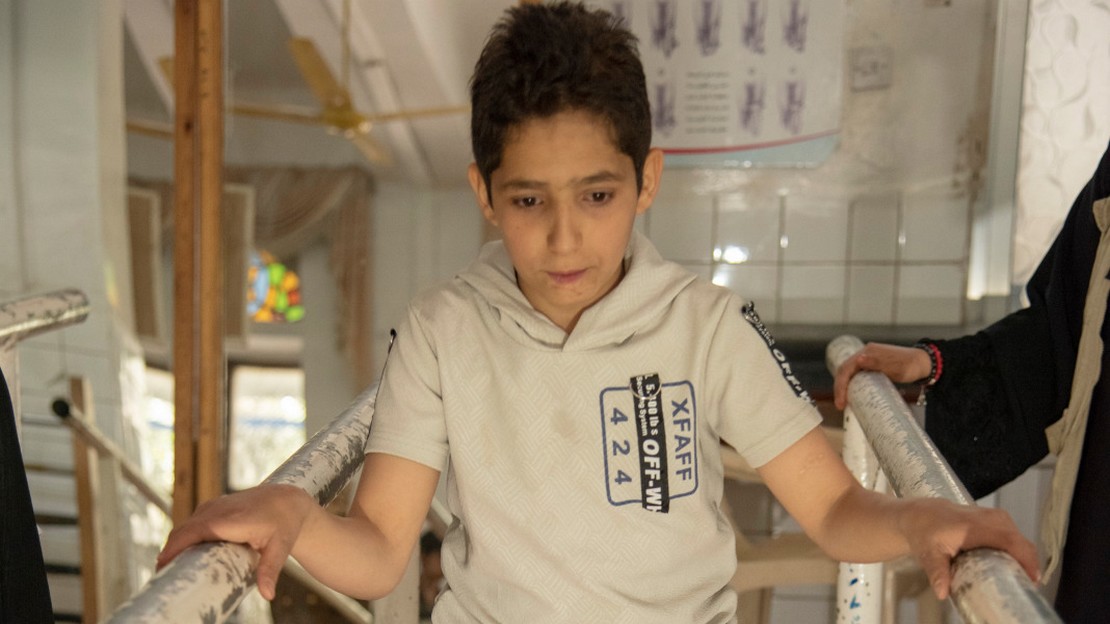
x=570, y=323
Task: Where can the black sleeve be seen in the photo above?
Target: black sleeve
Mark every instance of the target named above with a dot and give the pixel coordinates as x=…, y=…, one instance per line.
x=986, y=415
x=1000, y=388
x=24, y=592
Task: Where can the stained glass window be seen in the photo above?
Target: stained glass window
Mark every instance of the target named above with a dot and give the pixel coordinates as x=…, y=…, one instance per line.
x=273, y=291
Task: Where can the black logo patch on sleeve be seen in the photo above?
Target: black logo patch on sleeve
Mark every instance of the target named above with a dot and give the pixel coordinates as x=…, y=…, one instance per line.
x=750, y=315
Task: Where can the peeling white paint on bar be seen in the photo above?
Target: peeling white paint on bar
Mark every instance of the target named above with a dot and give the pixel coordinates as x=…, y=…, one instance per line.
x=328, y=461
x=988, y=585
x=910, y=460
x=859, y=586
x=208, y=581
x=978, y=588
x=29, y=316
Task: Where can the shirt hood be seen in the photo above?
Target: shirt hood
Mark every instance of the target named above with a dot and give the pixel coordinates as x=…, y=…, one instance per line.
x=649, y=286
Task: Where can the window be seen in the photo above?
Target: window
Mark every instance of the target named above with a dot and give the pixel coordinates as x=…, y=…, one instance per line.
x=266, y=421
x=156, y=449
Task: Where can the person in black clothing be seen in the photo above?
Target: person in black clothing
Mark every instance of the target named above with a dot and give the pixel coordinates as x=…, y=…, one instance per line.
x=991, y=396
x=24, y=593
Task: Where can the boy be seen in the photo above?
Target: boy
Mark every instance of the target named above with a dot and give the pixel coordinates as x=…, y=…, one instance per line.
x=577, y=387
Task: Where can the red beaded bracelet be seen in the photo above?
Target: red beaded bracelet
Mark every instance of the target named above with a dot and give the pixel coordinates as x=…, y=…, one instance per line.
x=936, y=362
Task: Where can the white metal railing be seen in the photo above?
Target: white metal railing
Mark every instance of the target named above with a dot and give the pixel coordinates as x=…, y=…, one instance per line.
x=29, y=316
x=26, y=317
x=988, y=585
x=208, y=581
x=98, y=506
x=88, y=432
x=21, y=319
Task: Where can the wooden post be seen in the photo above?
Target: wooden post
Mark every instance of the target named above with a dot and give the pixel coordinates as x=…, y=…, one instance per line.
x=104, y=582
x=199, y=365
x=86, y=481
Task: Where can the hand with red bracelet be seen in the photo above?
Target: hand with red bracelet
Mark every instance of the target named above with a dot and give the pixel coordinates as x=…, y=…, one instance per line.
x=900, y=364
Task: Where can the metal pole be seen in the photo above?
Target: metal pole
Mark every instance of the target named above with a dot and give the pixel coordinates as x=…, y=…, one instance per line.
x=207, y=582
x=988, y=585
x=859, y=586
x=33, y=315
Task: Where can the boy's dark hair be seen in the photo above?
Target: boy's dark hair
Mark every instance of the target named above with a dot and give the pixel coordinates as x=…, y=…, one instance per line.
x=541, y=60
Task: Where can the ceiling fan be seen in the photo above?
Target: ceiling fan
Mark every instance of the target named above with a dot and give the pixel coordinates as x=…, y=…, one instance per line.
x=336, y=113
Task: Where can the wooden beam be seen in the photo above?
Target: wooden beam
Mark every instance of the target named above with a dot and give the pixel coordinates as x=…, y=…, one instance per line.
x=198, y=361
x=86, y=481
x=211, y=458
x=184, y=317
x=98, y=473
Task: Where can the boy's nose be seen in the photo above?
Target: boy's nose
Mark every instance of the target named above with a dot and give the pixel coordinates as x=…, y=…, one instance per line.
x=565, y=233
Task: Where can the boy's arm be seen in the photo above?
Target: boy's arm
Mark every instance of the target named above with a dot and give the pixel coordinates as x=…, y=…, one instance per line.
x=365, y=554
x=362, y=555
x=851, y=523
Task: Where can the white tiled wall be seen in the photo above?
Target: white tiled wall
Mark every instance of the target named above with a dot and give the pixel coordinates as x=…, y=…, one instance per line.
x=420, y=239
x=852, y=256
x=880, y=233
x=681, y=225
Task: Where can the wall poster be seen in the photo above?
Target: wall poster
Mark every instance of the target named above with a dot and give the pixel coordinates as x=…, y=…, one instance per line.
x=740, y=82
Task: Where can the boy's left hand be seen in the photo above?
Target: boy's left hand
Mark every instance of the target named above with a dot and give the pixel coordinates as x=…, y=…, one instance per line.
x=267, y=518
x=937, y=530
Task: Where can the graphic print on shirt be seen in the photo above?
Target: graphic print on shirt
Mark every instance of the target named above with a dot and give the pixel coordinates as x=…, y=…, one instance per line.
x=750, y=315
x=649, y=437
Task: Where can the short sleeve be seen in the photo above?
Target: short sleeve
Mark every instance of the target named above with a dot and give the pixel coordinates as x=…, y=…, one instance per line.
x=408, y=415
x=761, y=405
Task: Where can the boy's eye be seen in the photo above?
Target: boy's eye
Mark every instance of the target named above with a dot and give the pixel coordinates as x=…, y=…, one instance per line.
x=598, y=197
x=526, y=202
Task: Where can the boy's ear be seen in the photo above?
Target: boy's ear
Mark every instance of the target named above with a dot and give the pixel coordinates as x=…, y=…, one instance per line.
x=653, y=171
x=481, y=192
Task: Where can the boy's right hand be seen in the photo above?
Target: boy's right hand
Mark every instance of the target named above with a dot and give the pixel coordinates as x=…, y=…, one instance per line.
x=268, y=518
x=900, y=364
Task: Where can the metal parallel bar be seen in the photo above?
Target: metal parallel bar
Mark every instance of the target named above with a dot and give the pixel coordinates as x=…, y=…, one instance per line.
x=208, y=581
x=27, y=317
x=92, y=435
x=988, y=585
x=87, y=431
x=860, y=586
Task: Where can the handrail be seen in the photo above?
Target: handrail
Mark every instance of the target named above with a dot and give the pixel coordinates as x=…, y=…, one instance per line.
x=80, y=425
x=88, y=432
x=208, y=581
x=33, y=315
x=988, y=585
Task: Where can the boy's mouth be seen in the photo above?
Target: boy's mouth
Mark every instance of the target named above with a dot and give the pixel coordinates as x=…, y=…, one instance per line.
x=566, y=277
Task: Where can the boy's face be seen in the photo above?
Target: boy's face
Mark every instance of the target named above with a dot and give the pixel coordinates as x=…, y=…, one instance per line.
x=565, y=200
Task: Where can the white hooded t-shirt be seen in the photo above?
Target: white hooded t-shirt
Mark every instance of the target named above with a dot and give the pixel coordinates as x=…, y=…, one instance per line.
x=583, y=470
